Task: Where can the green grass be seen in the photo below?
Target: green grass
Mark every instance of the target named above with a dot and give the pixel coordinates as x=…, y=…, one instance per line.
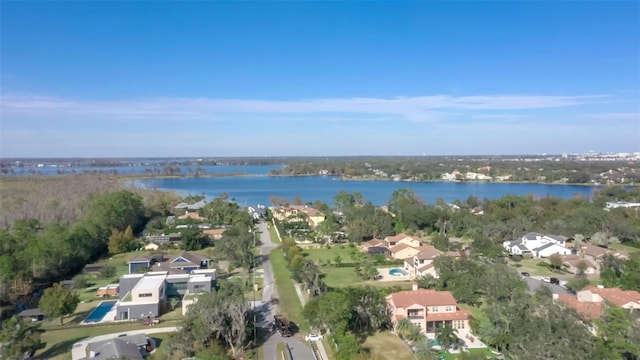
x=485, y=352
x=323, y=254
x=478, y=314
x=385, y=345
x=274, y=235
x=289, y=303
x=340, y=277
x=531, y=266
x=629, y=249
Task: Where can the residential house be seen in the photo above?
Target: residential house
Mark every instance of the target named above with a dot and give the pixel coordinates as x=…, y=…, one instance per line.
x=538, y=245
x=421, y=264
x=621, y=204
x=159, y=240
x=391, y=241
x=33, y=314
x=292, y=212
x=571, y=264
x=628, y=299
x=595, y=254
x=372, y=243
x=131, y=347
x=587, y=310
x=428, y=309
x=192, y=207
x=145, y=295
x=214, y=234
x=183, y=263
x=191, y=215
x=403, y=251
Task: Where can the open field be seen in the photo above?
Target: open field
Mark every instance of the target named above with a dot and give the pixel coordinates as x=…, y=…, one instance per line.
x=629, y=249
x=385, y=345
x=478, y=313
x=324, y=255
x=289, y=303
x=531, y=266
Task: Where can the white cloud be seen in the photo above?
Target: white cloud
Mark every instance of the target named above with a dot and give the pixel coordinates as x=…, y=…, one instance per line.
x=420, y=108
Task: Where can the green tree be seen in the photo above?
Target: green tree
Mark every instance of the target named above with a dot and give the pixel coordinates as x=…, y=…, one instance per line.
x=447, y=336
x=192, y=238
x=555, y=260
x=615, y=330
x=121, y=241
x=18, y=337
x=58, y=301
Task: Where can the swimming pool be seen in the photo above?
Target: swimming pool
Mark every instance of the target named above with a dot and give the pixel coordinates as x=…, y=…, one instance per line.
x=100, y=311
x=397, y=272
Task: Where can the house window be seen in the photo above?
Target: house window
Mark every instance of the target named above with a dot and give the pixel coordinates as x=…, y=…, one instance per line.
x=434, y=309
x=145, y=295
x=448, y=308
x=198, y=288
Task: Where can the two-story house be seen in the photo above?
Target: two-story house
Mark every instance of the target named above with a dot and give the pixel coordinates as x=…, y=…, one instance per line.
x=590, y=302
x=391, y=241
x=538, y=245
x=291, y=212
x=428, y=309
x=421, y=264
x=145, y=295
x=182, y=263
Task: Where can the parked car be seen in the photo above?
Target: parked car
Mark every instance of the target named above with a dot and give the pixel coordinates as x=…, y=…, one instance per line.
x=313, y=337
x=554, y=280
x=524, y=273
x=546, y=279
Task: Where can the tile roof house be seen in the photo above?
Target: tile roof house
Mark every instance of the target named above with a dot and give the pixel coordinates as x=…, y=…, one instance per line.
x=191, y=215
x=291, y=212
x=595, y=254
x=421, y=263
x=625, y=299
x=403, y=251
x=428, y=309
x=402, y=238
x=215, y=234
x=537, y=245
x=587, y=310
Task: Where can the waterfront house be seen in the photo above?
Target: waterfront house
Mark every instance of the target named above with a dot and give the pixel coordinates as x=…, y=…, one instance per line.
x=537, y=245
x=427, y=309
x=297, y=213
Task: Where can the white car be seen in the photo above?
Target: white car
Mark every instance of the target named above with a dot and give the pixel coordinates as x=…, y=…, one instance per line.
x=313, y=337
x=546, y=279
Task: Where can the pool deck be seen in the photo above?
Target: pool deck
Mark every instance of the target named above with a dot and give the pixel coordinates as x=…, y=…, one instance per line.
x=385, y=276
x=108, y=317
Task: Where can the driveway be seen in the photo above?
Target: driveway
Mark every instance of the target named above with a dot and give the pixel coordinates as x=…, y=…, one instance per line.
x=534, y=282
x=299, y=349
x=79, y=348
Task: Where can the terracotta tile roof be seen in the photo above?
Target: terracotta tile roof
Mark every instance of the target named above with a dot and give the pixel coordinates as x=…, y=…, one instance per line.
x=616, y=296
x=374, y=243
x=409, y=261
x=457, y=315
x=399, y=247
x=213, y=232
x=427, y=252
x=587, y=310
x=399, y=237
x=575, y=262
x=421, y=297
x=425, y=267
x=306, y=209
x=191, y=215
x=454, y=253
x=593, y=250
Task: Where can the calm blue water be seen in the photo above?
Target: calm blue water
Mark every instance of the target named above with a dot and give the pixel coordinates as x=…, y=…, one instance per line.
x=100, y=311
x=252, y=190
x=397, y=272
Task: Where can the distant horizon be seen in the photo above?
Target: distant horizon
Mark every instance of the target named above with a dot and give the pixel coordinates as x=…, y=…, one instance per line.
x=173, y=79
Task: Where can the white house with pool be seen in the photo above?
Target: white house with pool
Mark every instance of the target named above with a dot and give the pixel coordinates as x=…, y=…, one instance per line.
x=145, y=296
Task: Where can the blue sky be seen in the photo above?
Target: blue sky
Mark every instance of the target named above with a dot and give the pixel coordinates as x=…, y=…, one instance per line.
x=115, y=79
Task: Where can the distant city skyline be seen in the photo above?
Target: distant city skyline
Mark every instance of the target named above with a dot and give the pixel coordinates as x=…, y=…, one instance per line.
x=207, y=79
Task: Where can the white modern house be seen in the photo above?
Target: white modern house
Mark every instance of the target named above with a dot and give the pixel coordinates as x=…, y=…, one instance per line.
x=538, y=245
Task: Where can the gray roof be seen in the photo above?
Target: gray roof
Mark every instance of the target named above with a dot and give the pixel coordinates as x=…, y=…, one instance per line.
x=31, y=312
x=516, y=242
x=532, y=235
x=559, y=238
x=545, y=246
x=523, y=248
x=121, y=347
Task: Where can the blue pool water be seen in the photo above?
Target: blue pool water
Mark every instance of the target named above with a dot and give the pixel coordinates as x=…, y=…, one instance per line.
x=435, y=342
x=397, y=272
x=100, y=311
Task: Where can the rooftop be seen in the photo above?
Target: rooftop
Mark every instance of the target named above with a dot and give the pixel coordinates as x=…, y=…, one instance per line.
x=149, y=283
x=421, y=297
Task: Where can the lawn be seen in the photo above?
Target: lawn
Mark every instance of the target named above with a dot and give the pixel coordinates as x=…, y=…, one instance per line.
x=340, y=277
x=531, y=266
x=289, y=303
x=385, y=345
x=478, y=313
x=629, y=249
x=486, y=352
x=324, y=255
x=274, y=234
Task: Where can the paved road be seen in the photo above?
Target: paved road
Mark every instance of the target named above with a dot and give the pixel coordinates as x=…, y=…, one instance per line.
x=534, y=282
x=79, y=348
x=299, y=349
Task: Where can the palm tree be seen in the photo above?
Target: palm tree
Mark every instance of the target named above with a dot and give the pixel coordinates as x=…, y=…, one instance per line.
x=447, y=336
x=403, y=327
x=423, y=350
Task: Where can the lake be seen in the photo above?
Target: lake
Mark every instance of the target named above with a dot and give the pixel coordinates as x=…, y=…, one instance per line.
x=252, y=190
